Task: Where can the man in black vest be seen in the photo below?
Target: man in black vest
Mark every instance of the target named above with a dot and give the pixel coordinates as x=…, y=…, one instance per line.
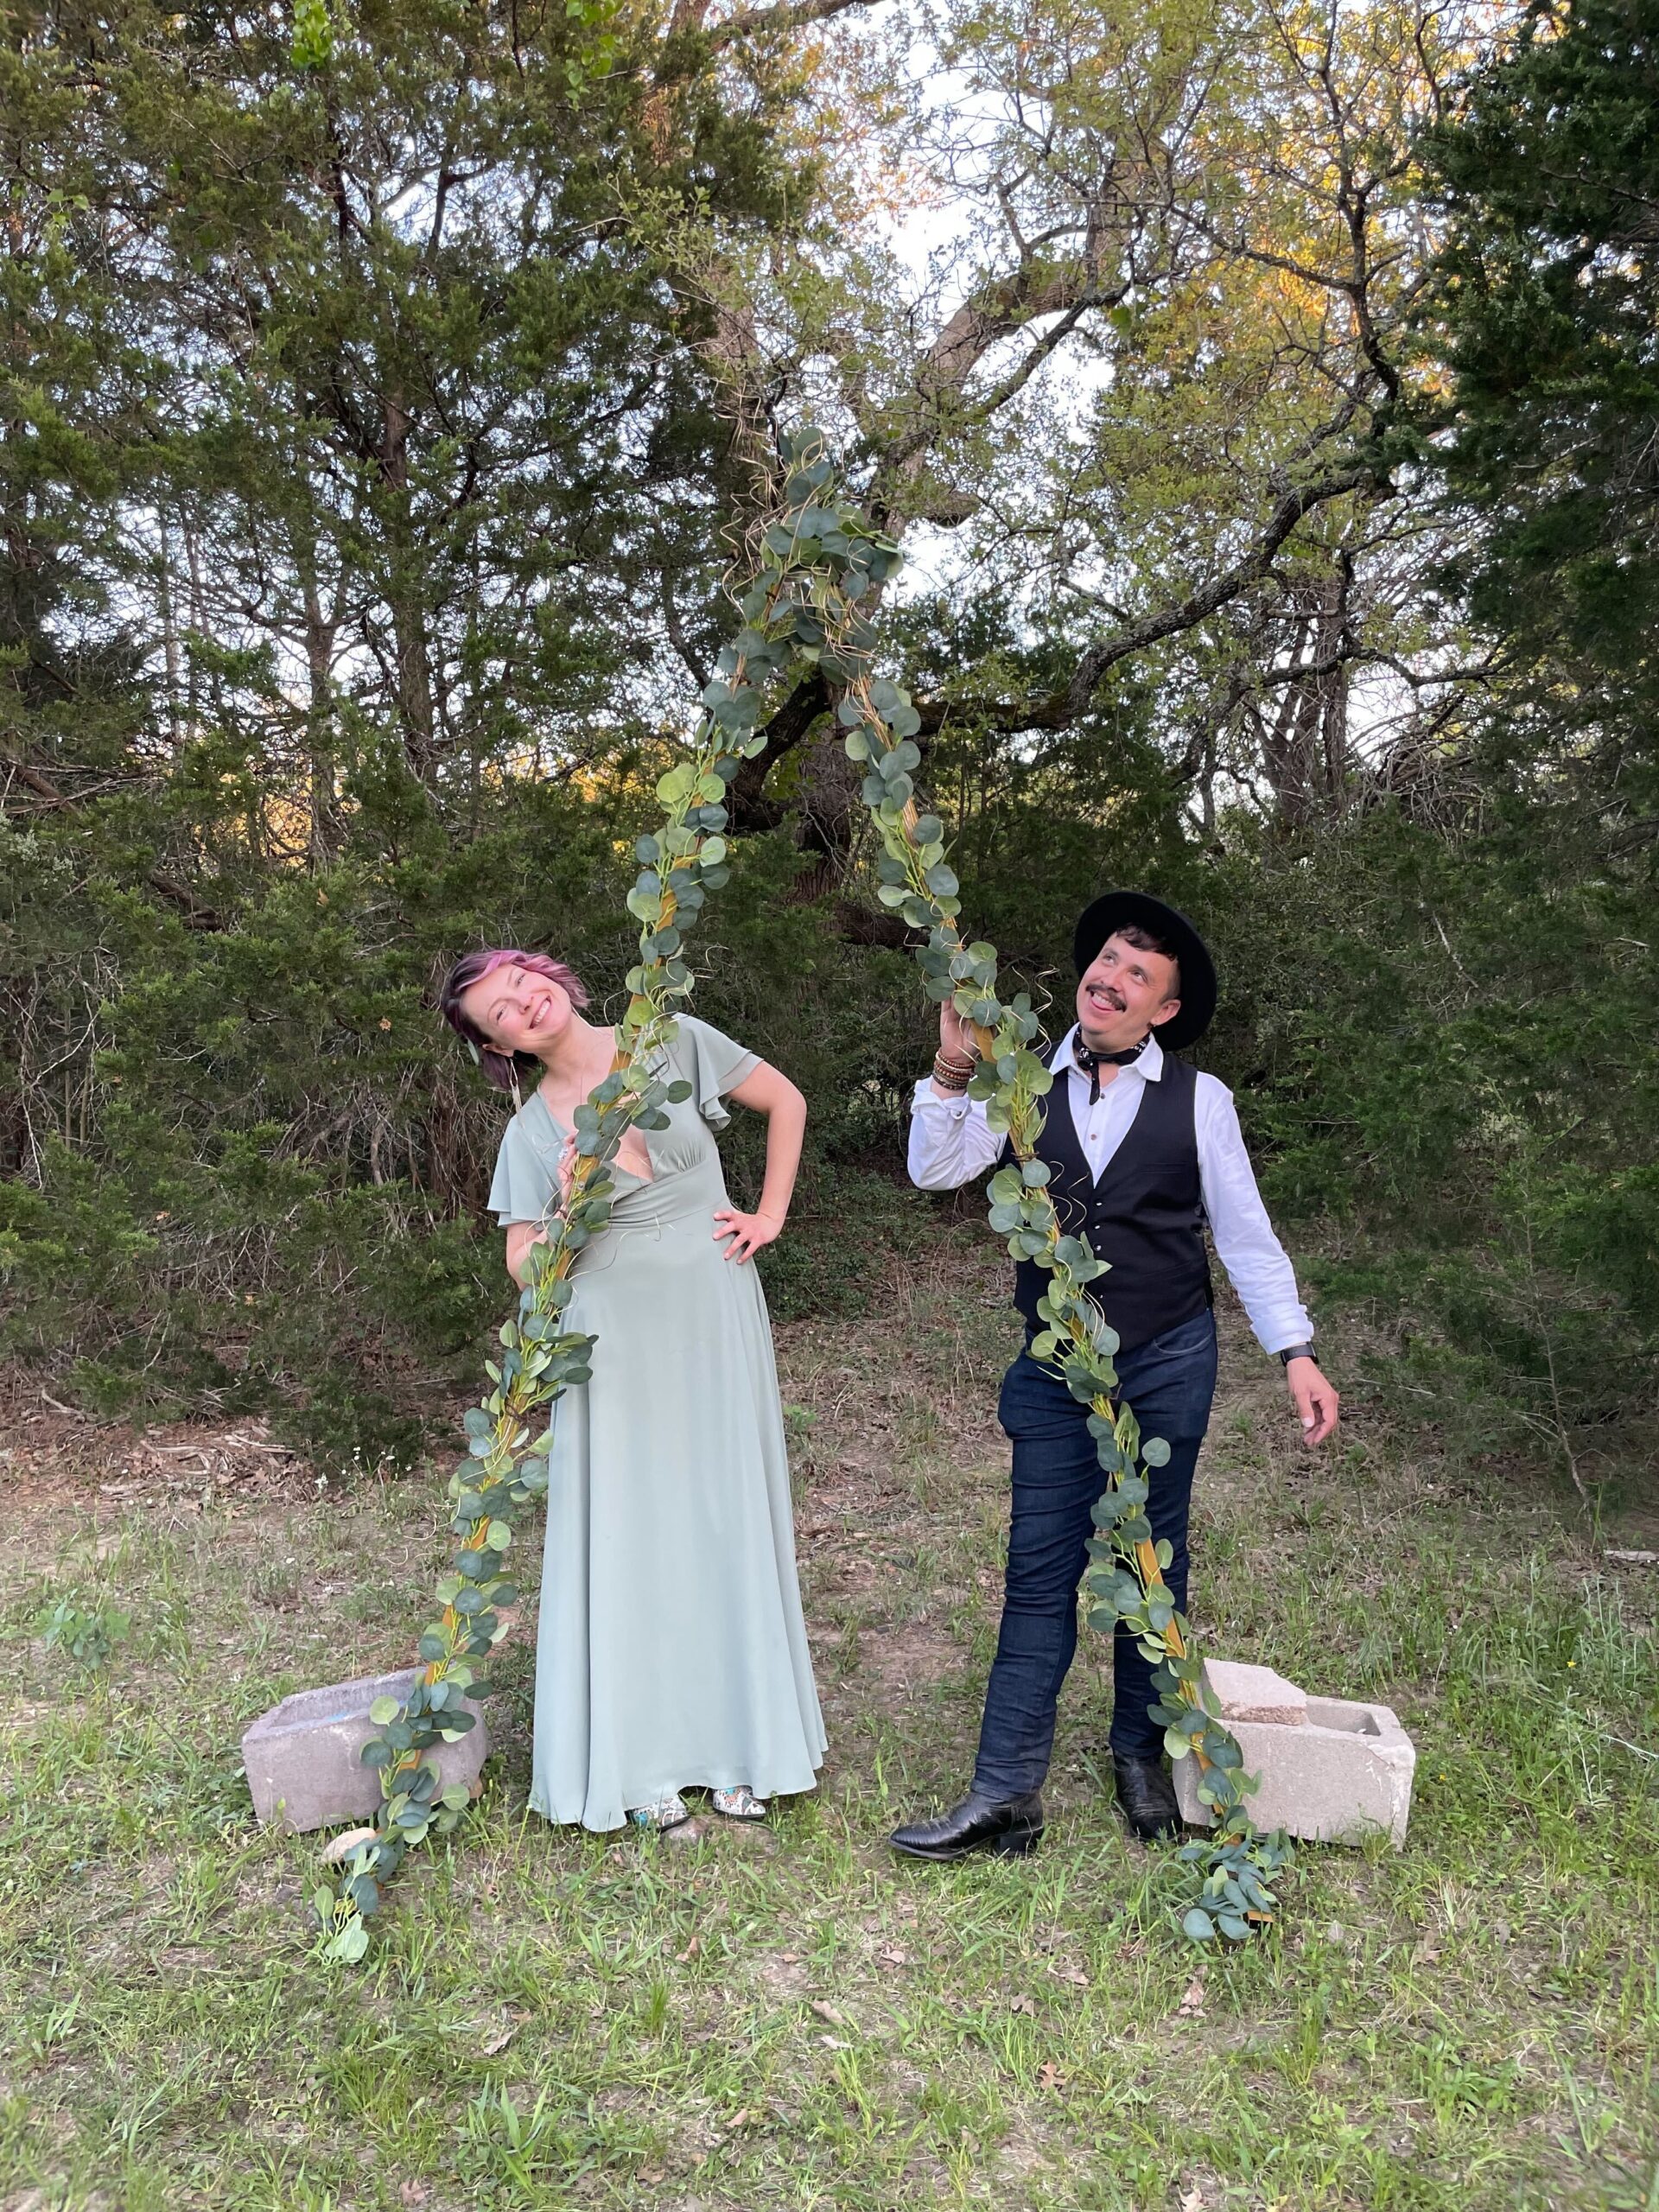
x=1142, y=1152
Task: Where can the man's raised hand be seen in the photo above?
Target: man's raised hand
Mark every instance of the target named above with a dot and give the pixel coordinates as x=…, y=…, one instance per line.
x=956, y=1039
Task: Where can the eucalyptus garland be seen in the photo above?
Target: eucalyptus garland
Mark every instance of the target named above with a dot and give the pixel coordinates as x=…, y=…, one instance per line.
x=818, y=569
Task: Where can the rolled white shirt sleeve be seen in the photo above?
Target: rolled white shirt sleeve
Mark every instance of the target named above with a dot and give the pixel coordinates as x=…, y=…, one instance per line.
x=1255, y=1261
x=951, y=1142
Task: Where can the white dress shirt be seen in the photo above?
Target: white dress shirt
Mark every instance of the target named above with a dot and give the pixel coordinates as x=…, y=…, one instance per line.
x=951, y=1143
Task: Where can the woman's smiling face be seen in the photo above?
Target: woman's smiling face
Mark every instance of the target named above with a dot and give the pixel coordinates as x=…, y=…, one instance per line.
x=516, y=1010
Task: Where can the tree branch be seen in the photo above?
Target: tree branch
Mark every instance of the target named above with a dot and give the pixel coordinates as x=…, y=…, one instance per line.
x=1199, y=605
x=760, y=23
x=677, y=632
x=792, y=721
x=994, y=312
x=751, y=809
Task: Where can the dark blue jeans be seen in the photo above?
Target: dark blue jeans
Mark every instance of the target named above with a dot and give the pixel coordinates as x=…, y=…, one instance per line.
x=1057, y=1479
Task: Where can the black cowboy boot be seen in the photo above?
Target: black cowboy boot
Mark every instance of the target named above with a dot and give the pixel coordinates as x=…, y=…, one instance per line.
x=1148, y=1797
x=1010, y=1829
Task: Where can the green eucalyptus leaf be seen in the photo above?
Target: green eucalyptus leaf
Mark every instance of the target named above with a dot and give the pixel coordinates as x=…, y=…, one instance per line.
x=350, y=1944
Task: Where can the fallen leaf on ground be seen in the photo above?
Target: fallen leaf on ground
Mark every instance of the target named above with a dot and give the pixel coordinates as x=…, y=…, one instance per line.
x=339, y=1848
x=412, y=2192
x=689, y=1952
x=1069, y=1970
x=893, y=1955
x=499, y=2040
x=1191, y=2200
x=1049, y=2075
x=1192, y=2004
x=826, y=2011
x=1021, y=2004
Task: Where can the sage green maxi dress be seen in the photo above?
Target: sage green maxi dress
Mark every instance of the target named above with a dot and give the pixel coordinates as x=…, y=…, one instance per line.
x=670, y=1651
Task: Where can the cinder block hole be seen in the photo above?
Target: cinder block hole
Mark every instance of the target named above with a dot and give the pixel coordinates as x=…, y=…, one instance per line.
x=1337, y=1713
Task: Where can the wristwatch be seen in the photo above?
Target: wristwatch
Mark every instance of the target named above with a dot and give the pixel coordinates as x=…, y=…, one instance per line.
x=1295, y=1351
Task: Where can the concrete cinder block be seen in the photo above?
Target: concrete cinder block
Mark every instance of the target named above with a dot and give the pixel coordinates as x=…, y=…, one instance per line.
x=1333, y=1773
x=304, y=1757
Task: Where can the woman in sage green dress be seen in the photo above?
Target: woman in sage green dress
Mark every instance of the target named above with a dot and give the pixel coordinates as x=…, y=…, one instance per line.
x=671, y=1652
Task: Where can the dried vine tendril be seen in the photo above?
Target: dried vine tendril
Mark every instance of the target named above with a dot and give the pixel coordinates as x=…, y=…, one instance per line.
x=816, y=570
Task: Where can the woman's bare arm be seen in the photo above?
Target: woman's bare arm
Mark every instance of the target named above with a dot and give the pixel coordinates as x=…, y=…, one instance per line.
x=768, y=1092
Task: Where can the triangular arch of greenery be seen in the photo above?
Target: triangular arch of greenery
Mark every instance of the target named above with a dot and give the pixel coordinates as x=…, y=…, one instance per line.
x=817, y=568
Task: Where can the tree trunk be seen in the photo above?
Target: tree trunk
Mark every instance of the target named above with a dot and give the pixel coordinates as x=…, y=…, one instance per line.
x=169, y=625
x=322, y=798
x=405, y=596
x=1305, y=750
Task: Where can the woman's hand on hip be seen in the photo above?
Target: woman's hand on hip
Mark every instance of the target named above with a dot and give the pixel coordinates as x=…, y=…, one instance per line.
x=747, y=1231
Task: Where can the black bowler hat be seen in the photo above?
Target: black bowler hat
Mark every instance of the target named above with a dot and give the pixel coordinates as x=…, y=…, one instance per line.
x=1136, y=909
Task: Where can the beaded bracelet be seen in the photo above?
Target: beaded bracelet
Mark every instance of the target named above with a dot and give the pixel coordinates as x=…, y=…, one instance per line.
x=952, y=1075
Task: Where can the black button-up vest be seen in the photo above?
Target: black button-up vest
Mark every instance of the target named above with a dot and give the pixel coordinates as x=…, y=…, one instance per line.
x=1144, y=1217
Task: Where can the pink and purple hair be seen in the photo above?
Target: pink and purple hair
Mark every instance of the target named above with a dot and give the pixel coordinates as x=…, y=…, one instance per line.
x=500, y=1068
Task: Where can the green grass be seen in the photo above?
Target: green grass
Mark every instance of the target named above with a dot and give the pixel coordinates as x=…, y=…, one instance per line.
x=790, y=2018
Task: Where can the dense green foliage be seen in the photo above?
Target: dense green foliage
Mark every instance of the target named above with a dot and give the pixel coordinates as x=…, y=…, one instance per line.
x=1549, y=294
x=1544, y=309
x=347, y=417
x=370, y=436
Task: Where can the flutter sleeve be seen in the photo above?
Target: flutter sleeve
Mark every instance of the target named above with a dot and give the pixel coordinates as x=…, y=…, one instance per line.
x=522, y=1186
x=713, y=1064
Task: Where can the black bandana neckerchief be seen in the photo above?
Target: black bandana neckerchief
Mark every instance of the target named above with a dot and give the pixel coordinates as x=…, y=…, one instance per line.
x=1090, y=1064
